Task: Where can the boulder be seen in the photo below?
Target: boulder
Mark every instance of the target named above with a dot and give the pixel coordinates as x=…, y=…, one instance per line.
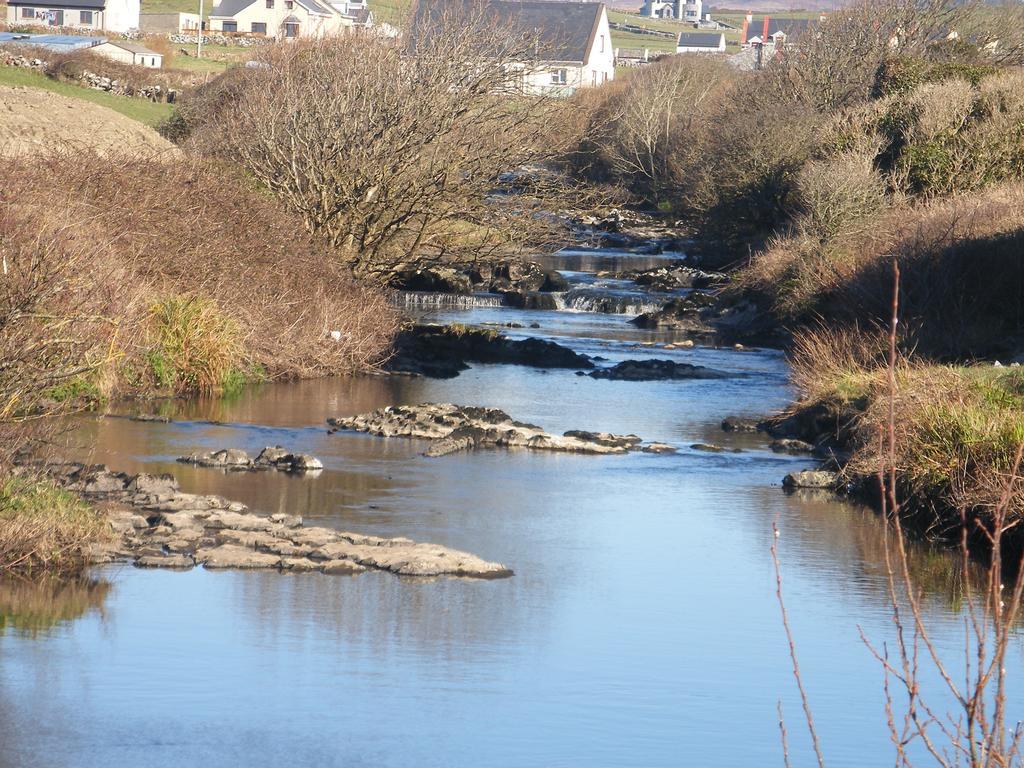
x=811, y=479
x=658, y=448
x=437, y=279
x=789, y=445
x=177, y=561
x=741, y=424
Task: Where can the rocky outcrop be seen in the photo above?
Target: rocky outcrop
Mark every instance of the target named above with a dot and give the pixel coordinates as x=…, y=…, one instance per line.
x=655, y=370
x=159, y=526
x=444, y=351
x=457, y=428
x=514, y=279
x=683, y=314
x=271, y=457
x=811, y=479
x=672, y=278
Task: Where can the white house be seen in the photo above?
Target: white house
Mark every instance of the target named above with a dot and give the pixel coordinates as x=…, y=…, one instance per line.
x=683, y=10
x=572, y=40
x=701, y=42
x=129, y=53
x=279, y=18
x=98, y=15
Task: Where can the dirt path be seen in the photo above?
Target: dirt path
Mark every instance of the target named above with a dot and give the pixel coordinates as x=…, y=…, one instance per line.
x=32, y=120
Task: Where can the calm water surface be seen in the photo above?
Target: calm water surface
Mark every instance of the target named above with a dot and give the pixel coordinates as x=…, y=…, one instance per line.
x=640, y=629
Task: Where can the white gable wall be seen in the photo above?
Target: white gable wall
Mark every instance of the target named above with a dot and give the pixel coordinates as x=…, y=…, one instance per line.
x=310, y=25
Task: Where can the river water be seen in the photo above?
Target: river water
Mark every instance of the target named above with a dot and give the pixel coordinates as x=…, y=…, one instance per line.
x=640, y=628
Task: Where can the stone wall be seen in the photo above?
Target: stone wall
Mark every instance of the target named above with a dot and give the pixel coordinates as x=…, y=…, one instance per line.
x=92, y=80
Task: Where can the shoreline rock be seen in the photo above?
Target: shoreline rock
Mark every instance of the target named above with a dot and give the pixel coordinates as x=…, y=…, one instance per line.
x=443, y=351
x=455, y=428
x=655, y=370
x=271, y=457
x=159, y=526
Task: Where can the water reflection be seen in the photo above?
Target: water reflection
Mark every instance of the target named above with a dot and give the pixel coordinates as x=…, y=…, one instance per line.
x=30, y=606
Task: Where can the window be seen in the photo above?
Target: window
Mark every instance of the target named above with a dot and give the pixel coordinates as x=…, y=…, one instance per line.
x=259, y=28
x=230, y=26
x=602, y=43
x=559, y=76
x=291, y=29
x=270, y=3
x=28, y=13
x=289, y=4
x=152, y=61
x=593, y=78
x=85, y=17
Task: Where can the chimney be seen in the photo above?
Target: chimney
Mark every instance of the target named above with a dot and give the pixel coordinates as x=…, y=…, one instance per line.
x=764, y=32
x=743, y=35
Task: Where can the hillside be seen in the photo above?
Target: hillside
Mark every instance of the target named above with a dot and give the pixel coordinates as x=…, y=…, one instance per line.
x=32, y=119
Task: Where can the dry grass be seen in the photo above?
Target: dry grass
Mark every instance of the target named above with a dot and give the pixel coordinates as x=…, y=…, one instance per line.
x=44, y=527
x=147, y=233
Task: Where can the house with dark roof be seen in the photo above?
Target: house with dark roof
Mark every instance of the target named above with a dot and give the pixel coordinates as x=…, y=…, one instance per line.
x=572, y=45
x=765, y=30
x=87, y=15
x=701, y=42
x=279, y=19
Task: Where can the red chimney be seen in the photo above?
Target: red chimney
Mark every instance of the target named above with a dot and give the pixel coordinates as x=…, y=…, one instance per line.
x=743, y=37
x=764, y=33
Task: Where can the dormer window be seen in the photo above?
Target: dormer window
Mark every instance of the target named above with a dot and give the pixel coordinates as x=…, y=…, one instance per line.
x=270, y=4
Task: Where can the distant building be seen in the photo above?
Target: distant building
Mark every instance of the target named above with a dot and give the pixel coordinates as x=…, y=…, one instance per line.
x=129, y=53
x=355, y=10
x=682, y=10
x=701, y=42
x=573, y=44
x=169, y=23
x=98, y=15
x=632, y=57
x=279, y=19
x=770, y=30
x=57, y=43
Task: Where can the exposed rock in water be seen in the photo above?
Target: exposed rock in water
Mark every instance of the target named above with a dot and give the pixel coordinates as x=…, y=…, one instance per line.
x=463, y=428
x=271, y=457
x=159, y=526
x=811, y=479
x=443, y=351
x=683, y=314
x=712, y=448
x=436, y=279
x=789, y=445
x=673, y=278
x=741, y=424
x=653, y=370
x=659, y=448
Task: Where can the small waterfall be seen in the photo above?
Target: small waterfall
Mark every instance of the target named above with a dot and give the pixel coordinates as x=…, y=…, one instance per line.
x=606, y=302
x=423, y=300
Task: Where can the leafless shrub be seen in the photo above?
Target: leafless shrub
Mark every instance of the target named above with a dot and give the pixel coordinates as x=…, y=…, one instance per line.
x=838, y=195
x=392, y=150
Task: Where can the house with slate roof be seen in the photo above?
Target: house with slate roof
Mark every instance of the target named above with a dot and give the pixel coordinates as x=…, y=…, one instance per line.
x=280, y=19
x=88, y=15
x=701, y=42
x=572, y=41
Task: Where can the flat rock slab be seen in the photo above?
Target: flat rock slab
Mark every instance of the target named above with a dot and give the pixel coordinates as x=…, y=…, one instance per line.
x=159, y=526
x=463, y=428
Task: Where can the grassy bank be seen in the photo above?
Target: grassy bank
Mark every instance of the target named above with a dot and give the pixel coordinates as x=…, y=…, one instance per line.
x=44, y=527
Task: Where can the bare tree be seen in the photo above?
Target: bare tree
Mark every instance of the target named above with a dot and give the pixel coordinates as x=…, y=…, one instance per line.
x=391, y=148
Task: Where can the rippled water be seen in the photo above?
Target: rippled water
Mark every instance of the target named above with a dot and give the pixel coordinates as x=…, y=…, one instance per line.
x=640, y=629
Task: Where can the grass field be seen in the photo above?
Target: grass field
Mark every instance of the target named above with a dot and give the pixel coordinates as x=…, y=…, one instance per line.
x=144, y=111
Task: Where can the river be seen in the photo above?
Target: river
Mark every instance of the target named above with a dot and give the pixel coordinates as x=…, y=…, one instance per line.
x=640, y=628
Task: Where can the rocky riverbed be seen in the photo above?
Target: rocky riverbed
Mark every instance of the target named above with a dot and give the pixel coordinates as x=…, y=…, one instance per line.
x=154, y=524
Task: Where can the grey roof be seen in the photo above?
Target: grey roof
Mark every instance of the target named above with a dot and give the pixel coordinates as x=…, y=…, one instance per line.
x=230, y=7
x=58, y=5
x=233, y=7
x=791, y=28
x=699, y=39
x=134, y=47
x=564, y=30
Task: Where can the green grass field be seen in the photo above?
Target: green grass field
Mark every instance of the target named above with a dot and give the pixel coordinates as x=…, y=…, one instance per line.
x=144, y=111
